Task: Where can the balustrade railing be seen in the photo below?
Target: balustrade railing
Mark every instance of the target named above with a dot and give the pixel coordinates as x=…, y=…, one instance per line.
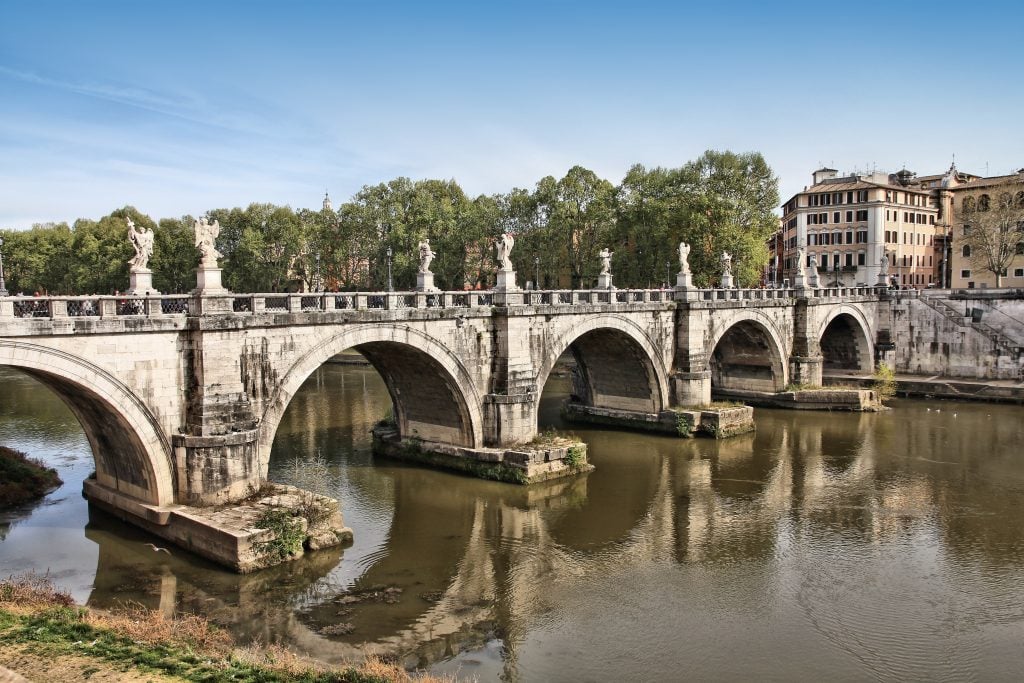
x=250, y=304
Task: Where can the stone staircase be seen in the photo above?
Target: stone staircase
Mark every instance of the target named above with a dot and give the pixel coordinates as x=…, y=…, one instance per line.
x=1001, y=341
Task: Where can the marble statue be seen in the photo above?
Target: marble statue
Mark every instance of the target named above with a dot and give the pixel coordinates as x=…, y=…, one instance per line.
x=883, y=264
x=426, y=256
x=684, y=258
x=813, y=265
x=142, y=240
x=726, y=264
x=504, y=245
x=606, y=261
x=206, y=235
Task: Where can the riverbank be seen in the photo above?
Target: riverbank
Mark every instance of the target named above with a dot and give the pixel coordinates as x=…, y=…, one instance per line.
x=954, y=388
x=45, y=636
x=23, y=479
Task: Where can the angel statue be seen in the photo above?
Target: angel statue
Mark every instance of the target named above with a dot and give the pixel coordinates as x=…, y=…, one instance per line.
x=206, y=234
x=426, y=256
x=142, y=240
x=606, y=261
x=504, y=245
x=726, y=264
x=684, y=258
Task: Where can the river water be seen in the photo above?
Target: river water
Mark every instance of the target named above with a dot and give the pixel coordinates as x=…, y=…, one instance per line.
x=824, y=546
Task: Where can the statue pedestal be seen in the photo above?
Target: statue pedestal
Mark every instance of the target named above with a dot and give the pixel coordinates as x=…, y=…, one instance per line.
x=506, y=281
x=727, y=282
x=208, y=281
x=684, y=280
x=883, y=279
x=140, y=282
x=425, y=282
x=800, y=280
x=604, y=281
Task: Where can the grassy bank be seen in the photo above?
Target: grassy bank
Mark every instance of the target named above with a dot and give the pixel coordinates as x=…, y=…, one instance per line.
x=23, y=478
x=44, y=634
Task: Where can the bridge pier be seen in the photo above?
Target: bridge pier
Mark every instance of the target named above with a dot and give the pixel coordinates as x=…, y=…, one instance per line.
x=691, y=388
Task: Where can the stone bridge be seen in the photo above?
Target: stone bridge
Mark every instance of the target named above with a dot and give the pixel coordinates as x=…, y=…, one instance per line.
x=181, y=396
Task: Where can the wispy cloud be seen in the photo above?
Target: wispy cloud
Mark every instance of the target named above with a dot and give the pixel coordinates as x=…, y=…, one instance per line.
x=183, y=105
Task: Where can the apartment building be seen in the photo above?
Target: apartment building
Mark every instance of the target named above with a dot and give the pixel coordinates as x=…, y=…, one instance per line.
x=987, y=215
x=848, y=224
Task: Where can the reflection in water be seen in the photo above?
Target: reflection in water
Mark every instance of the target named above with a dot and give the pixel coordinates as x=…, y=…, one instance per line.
x=844, y=546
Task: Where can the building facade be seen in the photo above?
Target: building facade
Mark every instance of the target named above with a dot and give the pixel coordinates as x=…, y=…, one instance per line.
x=849, y=224
x=987, y=230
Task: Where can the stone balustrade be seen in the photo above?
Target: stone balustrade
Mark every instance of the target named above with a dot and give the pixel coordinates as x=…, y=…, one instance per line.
x=49, y=307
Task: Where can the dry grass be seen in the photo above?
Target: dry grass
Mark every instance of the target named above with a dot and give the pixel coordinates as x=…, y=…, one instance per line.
x=26, y=593
x=32, y=596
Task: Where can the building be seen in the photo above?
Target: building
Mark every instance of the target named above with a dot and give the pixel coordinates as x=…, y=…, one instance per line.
x=848, y=224
x=987, y=229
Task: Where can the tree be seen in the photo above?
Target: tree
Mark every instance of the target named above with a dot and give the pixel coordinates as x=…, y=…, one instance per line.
x=730, y=199
x=580, y=213
x=261, y=247
x=175, y=257
x=994, y=230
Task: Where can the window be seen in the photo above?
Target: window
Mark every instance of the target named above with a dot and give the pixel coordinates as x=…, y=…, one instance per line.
x=862, y=237
x=862, y=215
x=1020, y=199
x=968, y=203
x=1020, y=248
x=984, y=202
x=849, y=236
x=967, y=230
x=965, y=273
x=849, y=214
x=849, y=259
x=1018, y=272
x=860, y=258
x=824, y=261
x=835, y=217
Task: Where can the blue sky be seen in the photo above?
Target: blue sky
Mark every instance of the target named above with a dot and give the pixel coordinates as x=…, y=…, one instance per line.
x=180, y=107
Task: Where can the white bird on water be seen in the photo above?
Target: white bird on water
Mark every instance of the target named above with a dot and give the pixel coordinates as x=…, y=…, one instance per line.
x=158, y=550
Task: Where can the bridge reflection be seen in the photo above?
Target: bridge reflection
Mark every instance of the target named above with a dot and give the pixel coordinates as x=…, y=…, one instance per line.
x=462, y=562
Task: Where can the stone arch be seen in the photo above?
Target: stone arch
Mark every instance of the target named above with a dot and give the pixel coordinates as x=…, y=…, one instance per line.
x=748, y=354
x=419, y=371
x=619, y=363
x=845, y=339
x=131, y=451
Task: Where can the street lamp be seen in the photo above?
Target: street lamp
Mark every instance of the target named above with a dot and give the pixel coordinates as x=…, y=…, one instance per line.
x=3, y=285
x=536, y=276
x=668, y=274
x=835, y=271
x=391, y=287
x=317, y=285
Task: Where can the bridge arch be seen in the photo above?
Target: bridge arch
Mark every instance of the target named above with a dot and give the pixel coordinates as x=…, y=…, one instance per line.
x=131, y=451
x=432, y=393
x=619, y=363
x=748, y=354
x=845, y=339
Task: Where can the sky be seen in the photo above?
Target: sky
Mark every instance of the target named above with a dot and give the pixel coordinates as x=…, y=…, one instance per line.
x=181, y=107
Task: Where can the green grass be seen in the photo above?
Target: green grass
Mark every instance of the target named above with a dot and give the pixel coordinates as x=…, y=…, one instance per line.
x=62, y=630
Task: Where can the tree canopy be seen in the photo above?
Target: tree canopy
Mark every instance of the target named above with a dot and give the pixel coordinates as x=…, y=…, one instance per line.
x=722, y=201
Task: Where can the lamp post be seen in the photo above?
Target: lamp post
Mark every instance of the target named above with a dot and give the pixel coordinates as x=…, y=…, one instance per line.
x=391, y=287
x=318, y=286
x=835, y=271
x=3, y=285
x=668, y=274
x=536, y=274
